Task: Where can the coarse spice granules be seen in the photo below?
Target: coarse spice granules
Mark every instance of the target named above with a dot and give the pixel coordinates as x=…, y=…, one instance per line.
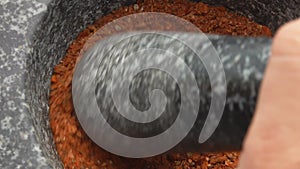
x=74, y=147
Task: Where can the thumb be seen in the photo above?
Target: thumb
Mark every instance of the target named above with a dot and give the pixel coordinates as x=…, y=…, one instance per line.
x=273, y=138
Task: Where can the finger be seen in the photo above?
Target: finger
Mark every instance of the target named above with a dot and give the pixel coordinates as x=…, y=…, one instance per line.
x=273, y=139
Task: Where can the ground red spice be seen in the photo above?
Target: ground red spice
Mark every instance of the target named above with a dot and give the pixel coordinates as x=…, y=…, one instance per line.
x=74, y=147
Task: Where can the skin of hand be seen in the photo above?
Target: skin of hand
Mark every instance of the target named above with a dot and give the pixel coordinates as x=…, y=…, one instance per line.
x=273, y=139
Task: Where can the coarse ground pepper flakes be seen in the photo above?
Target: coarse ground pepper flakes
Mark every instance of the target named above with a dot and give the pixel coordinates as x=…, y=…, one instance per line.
x=74, y=147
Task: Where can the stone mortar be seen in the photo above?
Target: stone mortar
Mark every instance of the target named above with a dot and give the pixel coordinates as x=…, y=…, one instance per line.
x=34, y=37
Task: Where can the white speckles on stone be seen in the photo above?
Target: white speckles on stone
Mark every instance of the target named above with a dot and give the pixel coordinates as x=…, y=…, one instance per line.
x=11, y=105
x=37, y=149
x=24, y=135
x=2, y=2
x=247, y=61
x=243, y=46
x=224, y=59
x=1, y=143
x=237, y=58
x=9, y=79
x=8, y=152
x=229, y=65
x=238, y=100
x=5, y=123
x=19, y=21
x=247, y=72
x=15, y=154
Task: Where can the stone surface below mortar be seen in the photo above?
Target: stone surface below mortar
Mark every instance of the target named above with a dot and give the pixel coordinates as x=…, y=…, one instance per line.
x=19, y=146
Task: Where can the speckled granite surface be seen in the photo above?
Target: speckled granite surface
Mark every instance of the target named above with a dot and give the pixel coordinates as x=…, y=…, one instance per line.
x=32, y=41
x=18, y=145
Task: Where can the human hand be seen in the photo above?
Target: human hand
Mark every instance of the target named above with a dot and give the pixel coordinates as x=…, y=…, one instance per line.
x=273, y=139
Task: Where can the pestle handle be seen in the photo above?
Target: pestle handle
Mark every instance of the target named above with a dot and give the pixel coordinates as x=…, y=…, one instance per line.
x=169, y=91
